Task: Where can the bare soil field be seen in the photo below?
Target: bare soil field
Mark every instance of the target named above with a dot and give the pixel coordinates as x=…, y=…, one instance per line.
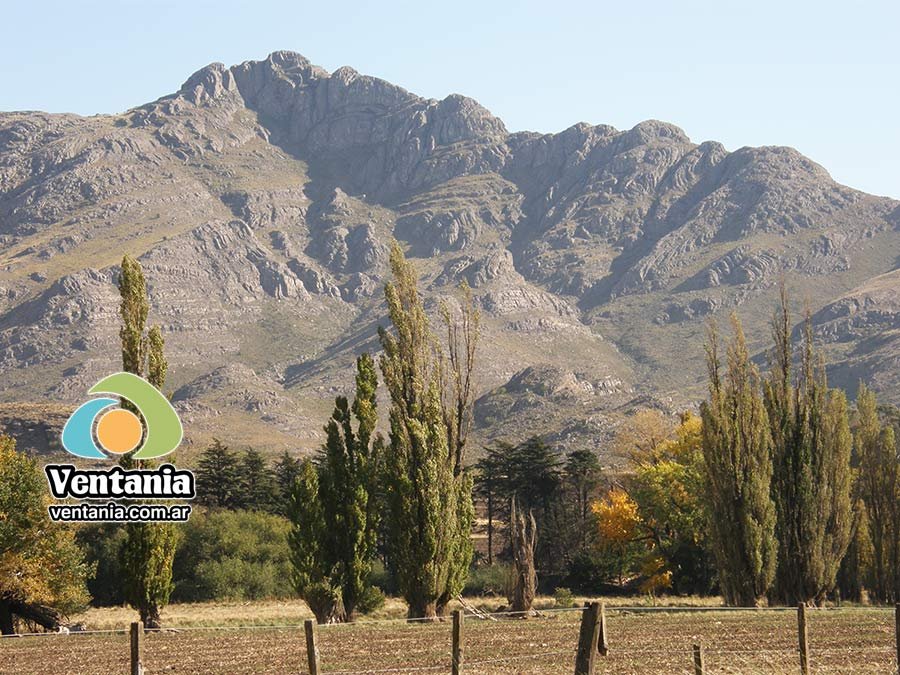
x=642, y=641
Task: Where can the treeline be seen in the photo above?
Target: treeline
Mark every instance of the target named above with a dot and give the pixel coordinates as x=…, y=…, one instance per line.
x=791, y=489
x=776, y=491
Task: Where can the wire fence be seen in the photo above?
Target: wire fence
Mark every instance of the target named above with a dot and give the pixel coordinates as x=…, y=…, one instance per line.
x=641, y=641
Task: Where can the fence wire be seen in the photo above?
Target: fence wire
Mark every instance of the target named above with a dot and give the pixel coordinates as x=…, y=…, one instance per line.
x=641, y=641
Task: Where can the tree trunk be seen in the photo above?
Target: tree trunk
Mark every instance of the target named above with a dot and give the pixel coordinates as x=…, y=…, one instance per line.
x=150, y=616
x=490, y=529
x=6, y=618
x=420, y=608
x=442, y=605
x=524, y=536
x=42, y=615
x=327, y=607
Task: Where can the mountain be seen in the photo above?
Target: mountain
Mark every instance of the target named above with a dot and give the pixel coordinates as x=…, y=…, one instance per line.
x=261, y=200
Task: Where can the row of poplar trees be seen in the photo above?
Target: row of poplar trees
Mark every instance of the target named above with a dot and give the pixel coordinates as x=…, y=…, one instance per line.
x=787, y=490
x=406, y=497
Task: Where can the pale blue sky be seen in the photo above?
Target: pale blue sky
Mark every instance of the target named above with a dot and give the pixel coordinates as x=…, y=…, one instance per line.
x=820, y=76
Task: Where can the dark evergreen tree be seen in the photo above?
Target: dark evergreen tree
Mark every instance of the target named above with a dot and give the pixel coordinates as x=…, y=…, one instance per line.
x=312, y=573
x=488, y=475
x=286, y=470
x=258, y=490
x=218, y=477
x=348, y=469
x=344, y=520
x=530, y=473
x=582, y=476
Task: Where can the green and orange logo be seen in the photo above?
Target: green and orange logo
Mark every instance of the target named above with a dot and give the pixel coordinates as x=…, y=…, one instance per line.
x=104, y=423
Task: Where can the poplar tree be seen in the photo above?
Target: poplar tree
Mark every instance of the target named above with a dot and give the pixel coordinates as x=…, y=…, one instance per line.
x=149, y=548
x=879, y=487
x=334, y=539
x=811, y=448
x=738, y=470
x=429, y=510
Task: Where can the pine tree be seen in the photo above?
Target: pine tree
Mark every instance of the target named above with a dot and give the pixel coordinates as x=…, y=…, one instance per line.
x=738, y=473
x=582, y=474
x=218, y=477
x=258, y=491
x=487, y=487
x=149, y=548
x=811, y=448
x=286, y=470
x=429, y=510
x=879, y=487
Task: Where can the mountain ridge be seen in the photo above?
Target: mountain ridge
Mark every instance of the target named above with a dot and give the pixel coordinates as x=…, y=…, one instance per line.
x=261, y=199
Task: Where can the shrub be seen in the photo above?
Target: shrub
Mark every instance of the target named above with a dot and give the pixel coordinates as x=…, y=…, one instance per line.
x=589, y=571
x=381, y=577
x=101, y=544
x=371, y=600
x=488, y=580
x=233, y=555
x=563, y=597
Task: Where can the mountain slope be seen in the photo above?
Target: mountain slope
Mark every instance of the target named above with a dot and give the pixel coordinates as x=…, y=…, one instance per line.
x=261, y=200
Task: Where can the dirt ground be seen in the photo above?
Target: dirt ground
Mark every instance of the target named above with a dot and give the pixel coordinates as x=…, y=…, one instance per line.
x=642, y=641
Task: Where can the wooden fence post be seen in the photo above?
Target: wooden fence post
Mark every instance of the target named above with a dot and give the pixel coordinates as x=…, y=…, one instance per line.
x=312, y=651
x=588, y=638
x=698, y=660
x=137, y=648
x=602, y=644
x=803, y=637
x=897, y=632
x=457, y=663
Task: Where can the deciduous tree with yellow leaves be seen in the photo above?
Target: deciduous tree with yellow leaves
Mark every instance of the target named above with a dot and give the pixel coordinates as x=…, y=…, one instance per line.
x=42, y=570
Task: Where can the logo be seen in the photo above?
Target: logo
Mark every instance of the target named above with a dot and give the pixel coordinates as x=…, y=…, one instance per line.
x=117, y=429
x=103, y=427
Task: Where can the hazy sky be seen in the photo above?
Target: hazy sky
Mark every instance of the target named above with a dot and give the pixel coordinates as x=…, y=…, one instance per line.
x=820, y=76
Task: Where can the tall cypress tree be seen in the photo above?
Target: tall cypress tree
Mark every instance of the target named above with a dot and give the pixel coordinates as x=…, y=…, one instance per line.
x=313, y=571
x=429, y=510
x=347, y=475
x=334, y=540
x=811, y=447
x=149, y=548
x=738, y=467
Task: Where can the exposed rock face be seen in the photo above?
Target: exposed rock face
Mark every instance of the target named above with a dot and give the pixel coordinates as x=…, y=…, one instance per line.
x=262, y=198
